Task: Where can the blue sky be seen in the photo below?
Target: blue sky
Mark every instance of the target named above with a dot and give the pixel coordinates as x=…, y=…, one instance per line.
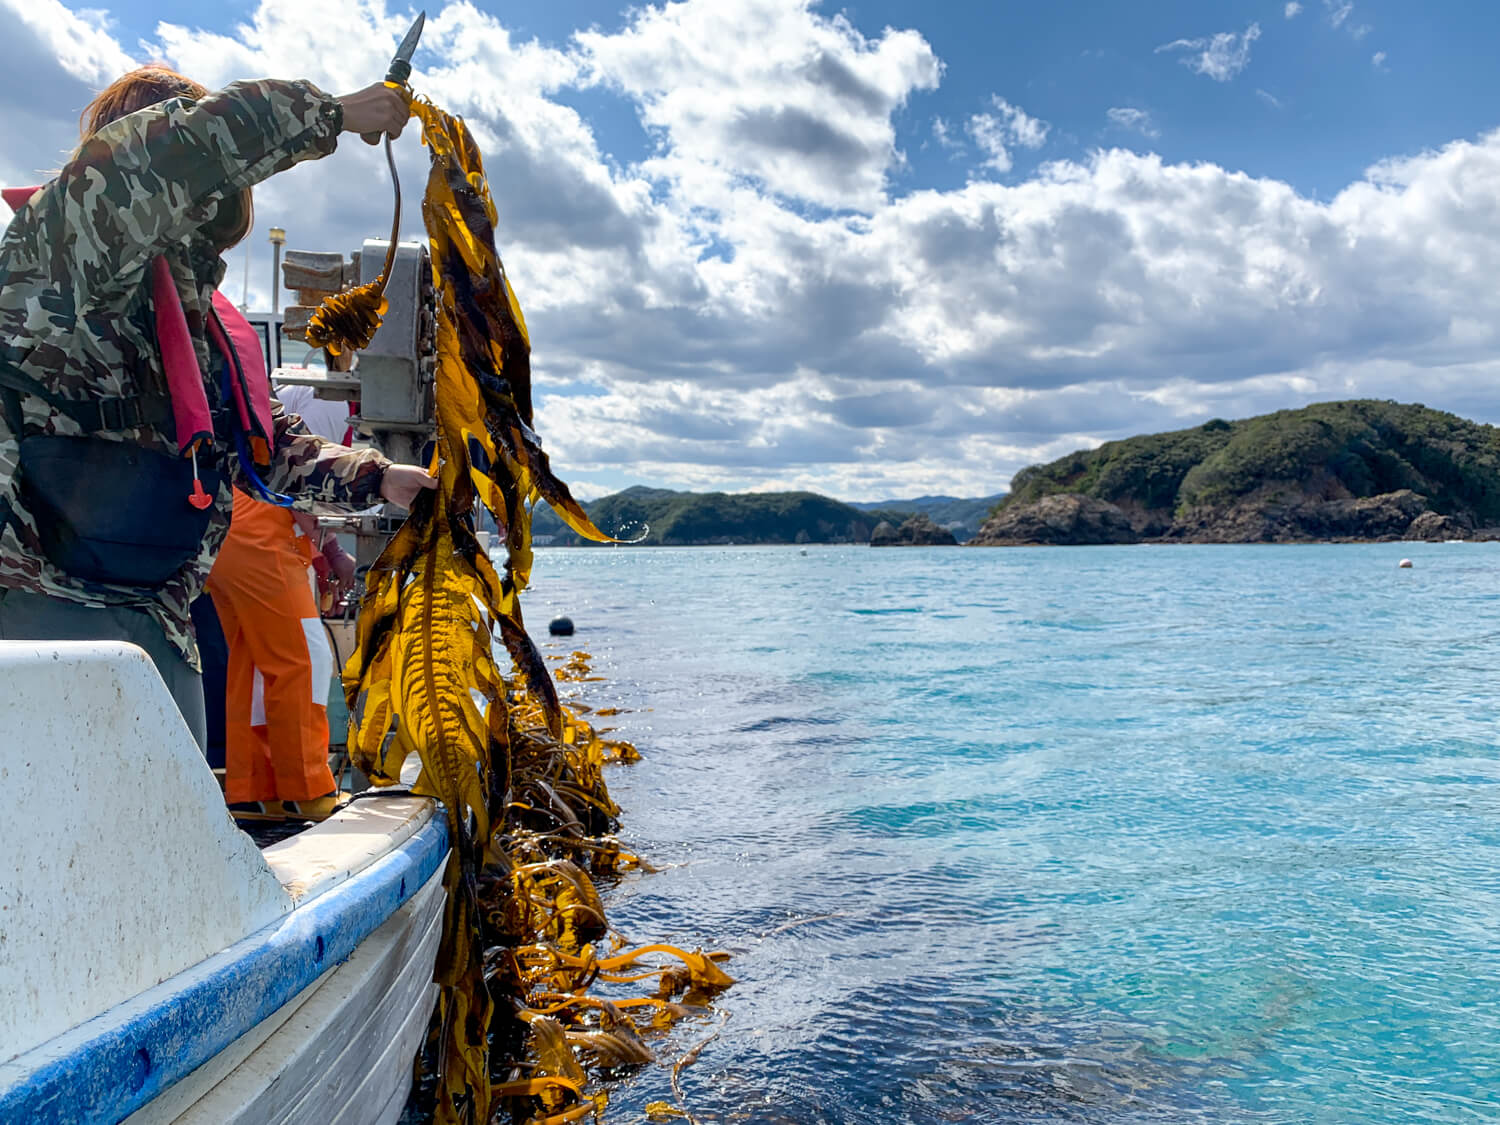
x=892, y=247
x=1070, y=62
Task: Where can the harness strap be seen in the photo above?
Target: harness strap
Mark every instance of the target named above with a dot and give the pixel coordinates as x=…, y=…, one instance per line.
x=15, y=417
x=91, y=415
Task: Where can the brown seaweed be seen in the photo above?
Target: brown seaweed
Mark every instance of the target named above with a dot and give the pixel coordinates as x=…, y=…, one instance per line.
x=520, y=775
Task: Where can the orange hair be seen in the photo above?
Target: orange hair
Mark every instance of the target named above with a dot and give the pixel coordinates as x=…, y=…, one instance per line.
x=147, y=86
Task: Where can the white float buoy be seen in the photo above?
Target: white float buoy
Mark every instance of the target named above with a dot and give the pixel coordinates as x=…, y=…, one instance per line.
x=1404, y=564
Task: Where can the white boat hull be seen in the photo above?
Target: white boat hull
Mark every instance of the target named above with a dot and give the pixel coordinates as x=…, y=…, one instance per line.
x=341, y=1050
x=176, y=973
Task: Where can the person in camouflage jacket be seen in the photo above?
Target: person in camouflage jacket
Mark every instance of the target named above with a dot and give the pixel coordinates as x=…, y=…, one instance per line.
x=75, y=307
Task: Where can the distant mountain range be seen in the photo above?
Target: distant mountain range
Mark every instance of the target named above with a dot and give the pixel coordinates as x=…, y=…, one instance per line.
x=664, y=517
x=1356, y=470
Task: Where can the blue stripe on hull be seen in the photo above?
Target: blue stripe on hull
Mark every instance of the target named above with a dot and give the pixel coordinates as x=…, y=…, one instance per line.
x=106, y=1075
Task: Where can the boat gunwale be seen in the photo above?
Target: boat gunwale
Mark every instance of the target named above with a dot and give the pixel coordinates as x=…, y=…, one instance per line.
x=108, y=1067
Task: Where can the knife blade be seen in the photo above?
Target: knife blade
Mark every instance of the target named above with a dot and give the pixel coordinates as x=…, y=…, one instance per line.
x=401, y=65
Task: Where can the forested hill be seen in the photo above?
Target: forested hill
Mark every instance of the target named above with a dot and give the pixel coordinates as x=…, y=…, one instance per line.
x=1361, y=469
x=669, y=518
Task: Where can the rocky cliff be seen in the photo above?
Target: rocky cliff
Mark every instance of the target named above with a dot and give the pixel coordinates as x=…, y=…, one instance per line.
x=919, y=531
x=1357, y=470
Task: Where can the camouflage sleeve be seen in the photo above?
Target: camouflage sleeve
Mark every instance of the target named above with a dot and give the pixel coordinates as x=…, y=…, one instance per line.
x=313, y=469
x=149, y=179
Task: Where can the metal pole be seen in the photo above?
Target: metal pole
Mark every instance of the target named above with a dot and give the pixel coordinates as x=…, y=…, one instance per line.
x=245, y=282
x=278, y=238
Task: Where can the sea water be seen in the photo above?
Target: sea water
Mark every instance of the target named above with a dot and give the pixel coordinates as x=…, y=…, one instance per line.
x=1112, y=834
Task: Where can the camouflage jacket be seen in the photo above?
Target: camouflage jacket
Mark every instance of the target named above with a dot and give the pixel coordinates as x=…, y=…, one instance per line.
x=75, y=308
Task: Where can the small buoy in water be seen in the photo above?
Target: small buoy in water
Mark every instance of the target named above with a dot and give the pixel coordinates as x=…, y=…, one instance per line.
x=1404, y=564
x=560, y=627
x=804, y=550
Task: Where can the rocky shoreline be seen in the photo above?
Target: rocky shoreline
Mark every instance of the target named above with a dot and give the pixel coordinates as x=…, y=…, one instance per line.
x=1072, y=519
x=918, y=531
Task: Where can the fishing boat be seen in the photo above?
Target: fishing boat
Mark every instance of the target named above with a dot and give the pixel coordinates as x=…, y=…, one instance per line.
x=155, y=964
x=159, y=966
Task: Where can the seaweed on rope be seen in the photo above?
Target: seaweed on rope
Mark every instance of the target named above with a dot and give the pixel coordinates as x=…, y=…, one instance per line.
x=516, y=1030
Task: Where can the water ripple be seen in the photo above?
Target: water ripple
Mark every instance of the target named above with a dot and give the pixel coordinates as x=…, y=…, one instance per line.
x=1065, y=835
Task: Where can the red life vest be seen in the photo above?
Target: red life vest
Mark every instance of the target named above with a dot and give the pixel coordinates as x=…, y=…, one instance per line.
x=236, y=341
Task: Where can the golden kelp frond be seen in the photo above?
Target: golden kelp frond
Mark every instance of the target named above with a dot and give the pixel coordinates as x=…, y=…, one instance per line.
x=578, y=667
x=616, y=1048
x=422, y=659
x=348, y=321
x=557, y=842
x=520, y=775
x=493, y=341
x=529, y=662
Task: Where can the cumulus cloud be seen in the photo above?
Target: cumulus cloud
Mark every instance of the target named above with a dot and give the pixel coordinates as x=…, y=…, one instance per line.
x=79, y=42
x=997, y=133
x=1135, y=120
x=768, y=90
x=731, y=310
x=1220, y=56
x=1292, y=9
x=1377, y=60
x=52, y=61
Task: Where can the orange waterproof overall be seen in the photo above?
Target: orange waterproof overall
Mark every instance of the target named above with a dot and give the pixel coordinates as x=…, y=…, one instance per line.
x=280, y=663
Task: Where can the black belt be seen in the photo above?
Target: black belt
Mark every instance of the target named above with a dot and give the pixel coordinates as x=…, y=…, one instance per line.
x=93, y=415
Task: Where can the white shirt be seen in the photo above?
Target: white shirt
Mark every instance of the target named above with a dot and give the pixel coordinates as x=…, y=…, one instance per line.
x=325, y=417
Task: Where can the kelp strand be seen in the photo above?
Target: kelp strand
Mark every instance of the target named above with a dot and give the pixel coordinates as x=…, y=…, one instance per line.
x=520, y=776
x=348, y=321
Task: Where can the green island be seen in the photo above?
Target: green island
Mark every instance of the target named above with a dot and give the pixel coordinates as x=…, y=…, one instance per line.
x=1334, y=471
x=663, y=517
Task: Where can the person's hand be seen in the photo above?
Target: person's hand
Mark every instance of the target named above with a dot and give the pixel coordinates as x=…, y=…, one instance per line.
x=340, y=571
x=402, y=484
x=376, y=110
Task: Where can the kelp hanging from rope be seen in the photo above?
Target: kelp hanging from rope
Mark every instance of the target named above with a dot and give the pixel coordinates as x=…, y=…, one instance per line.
x=520, y=776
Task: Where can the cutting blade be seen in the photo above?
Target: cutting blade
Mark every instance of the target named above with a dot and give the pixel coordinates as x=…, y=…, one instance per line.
x=401, y=65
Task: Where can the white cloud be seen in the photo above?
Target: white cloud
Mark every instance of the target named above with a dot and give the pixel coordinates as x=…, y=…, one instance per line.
x=1339, y=13
x=942, y=132
x=79, y=41
x=1377, y=60
x=1269, y=98
x=766, y=89
x=1220, y=56
x=989, y=134
x=1025, y=131
x=1292, y=10
x=1136, y=120
x=995, y=133
x=699, y=321
x=52, y=60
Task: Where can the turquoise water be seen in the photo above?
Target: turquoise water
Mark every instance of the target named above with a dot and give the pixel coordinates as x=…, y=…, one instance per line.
x=1136, y=834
